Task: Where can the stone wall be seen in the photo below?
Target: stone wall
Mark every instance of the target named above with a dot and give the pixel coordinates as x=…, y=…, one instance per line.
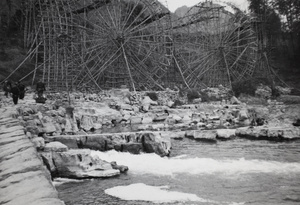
x=23, y=177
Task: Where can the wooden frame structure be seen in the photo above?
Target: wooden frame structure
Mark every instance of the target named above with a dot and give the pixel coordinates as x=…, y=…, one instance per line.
x=105, y=44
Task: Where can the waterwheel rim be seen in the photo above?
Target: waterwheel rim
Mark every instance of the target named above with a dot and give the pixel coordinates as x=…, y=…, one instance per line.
x=220, y=47
x=125, y=44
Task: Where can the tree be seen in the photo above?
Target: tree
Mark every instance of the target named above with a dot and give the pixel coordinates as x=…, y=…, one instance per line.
x=290, y=9
x=269, y=18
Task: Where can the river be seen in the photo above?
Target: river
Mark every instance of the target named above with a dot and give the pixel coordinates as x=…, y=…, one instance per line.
x=234, y=172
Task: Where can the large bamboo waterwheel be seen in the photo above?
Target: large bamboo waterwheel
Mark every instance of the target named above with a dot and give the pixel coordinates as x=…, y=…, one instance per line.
x=102, y=44
x=214, y=44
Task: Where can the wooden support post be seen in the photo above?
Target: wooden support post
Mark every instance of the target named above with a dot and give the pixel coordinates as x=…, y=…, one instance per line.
x=128, y=68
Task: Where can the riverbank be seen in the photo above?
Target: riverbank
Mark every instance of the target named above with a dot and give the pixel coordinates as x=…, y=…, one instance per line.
x=23, y=173
x=24, y=178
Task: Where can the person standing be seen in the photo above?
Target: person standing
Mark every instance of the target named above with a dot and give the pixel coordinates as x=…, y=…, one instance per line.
x=15, y=93
x=7, y=88
x=21, y=87
x=40, y=88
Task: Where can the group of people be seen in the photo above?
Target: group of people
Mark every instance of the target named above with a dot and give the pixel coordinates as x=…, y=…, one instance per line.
x=18, y=90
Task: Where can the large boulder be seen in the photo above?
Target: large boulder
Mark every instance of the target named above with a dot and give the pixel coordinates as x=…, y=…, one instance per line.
x=154, y=142
x=146, y=102
x=202, y=135
x=283, y=90
x=133, y=148
x=226, y=134
x=55, y=147
x=86, y=123
x=263, y=91
x=80, y=164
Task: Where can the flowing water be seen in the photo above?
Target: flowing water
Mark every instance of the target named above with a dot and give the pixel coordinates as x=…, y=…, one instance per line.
x=231, y=172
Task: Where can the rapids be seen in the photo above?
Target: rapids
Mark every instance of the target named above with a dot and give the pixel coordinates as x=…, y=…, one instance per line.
x=228, y=172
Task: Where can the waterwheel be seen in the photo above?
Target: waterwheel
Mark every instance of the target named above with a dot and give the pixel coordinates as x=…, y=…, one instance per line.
x=214, y=44
x=101, y=44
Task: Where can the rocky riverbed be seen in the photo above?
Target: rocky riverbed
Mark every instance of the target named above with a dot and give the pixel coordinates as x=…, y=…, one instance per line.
x=54, y=139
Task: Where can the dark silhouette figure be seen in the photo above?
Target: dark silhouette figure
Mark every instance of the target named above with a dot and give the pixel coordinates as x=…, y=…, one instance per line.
x=22, y=90
x=7, y=88
x=40, y=88
x=15, y=93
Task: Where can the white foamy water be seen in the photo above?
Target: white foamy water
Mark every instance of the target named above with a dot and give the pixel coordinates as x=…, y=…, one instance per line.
x=154, y=164
x=59, y=181
x=143, y=192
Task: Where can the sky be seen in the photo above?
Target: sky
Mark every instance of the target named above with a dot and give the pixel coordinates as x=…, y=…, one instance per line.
x=174, y=4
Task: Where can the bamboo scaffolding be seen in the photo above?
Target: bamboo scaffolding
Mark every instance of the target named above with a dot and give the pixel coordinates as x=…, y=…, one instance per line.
x=112, y=42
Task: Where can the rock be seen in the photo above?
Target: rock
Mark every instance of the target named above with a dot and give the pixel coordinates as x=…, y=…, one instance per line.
x=263, y=91
x=179, y=135
x=86, y=123
x=157, y=127
x=121, y=168
x=27, y=110
x=144, y=127
x=197, y=117
x=69, y=126
x=186, y=118
x=119, y=93
x=234, y=101
x=97, y=121
x=133, y=148
x=135, y=120
x=39, y=143
x=93, y=142
x=146, y=102
x=55, y=147
x=61, y=112
x=170, y=120
x=48, y=161
x=80, y=164
x=49, y=128
x=160, y=118
x=34, y=130
x=170, y=103
x=243, y=115
x=202, y=135
x=126, y=107
x=213, y=117
x=176, y=117
x=146, y=107
x=147, y=120
x=282, y=90
x=153, y=142
x=197, y=100
x=226, y=134
x=297, y=123
x=269, y=133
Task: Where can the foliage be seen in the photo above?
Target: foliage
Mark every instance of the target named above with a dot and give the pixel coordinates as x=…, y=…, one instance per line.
x=268, y=15
x=291, y=10
x=192, y=94
x=205, y=97
x=249, y=86
x=152, y=95
x=177, y=103
x=278, y=16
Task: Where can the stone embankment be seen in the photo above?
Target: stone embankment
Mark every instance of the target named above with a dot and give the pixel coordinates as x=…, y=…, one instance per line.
x=23, y=176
